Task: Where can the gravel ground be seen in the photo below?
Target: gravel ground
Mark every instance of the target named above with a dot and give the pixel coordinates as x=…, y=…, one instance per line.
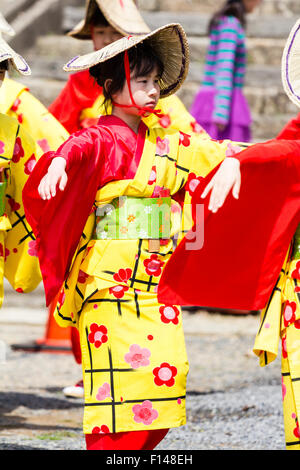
x=232, y=403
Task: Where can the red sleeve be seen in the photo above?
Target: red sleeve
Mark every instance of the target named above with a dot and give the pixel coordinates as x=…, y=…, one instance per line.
x=291, y=130
x=246, y=241
x=80, y=92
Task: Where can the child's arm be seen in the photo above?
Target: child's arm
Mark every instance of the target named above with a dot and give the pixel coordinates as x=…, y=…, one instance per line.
x=56, y=175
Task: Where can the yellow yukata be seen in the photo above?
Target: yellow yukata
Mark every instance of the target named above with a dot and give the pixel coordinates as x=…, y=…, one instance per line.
x=280, y=323
x=16, y=101
x=133, y=350
x=18, y=257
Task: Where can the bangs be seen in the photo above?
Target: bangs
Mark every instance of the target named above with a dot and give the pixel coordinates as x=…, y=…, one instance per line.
x=143, y=61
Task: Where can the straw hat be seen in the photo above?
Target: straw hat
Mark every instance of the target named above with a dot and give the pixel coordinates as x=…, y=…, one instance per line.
x=7, y=53
x=290, y=65
x=169, y=43
x=123, y=15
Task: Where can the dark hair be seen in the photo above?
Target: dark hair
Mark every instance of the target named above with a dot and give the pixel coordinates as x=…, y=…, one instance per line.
x=97, y=18
x=4, y=65
x=230, y=8
x=142, y=60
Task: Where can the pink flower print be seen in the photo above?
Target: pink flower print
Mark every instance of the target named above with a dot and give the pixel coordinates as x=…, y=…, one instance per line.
x=103, y=392
x=152, y=177
x=162, y=146
x=283, y=347
x=165, y=121
x=123, y=275
x=192, y=183
x=15, y=206
x=169, y=314
x=153, y=265
x=184, y=139
x=296, y=272
x=137, y=356
x=100, y=429
x=289, y=314
x=296, y=430
x=232, y=150
x=98, y=335
x=18, y=151
x=144, y=413
x=118, y=291
x=44, y=144
x=32, y=248
x=197, y=128
x=283, y=387
x=164, y=375
x=20, y=118
x=2, y=147
x=29, y=165
x=16, y=105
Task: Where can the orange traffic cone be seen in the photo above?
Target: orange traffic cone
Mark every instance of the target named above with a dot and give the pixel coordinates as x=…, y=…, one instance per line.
x=56, y=339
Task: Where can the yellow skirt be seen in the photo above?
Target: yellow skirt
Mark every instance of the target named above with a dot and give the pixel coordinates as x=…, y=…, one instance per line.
x=134, y=362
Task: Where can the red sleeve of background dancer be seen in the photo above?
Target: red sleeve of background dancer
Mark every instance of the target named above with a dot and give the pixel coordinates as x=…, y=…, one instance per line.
x=291, y=130
x=80, y=92
x=246, y=241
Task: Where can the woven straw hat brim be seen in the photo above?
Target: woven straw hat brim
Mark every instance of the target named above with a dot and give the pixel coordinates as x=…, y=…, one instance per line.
x=170, y=44
x=122, y=15
x=290, y=65
x=17, y=61
x=5, y=26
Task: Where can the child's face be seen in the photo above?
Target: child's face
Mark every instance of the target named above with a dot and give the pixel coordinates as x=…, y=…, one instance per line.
x=103, y=36
x=145, y=92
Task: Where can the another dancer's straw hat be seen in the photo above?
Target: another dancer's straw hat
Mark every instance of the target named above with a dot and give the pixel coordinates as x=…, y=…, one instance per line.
x=290, y=65
x=7, y=53
x=123, y=15
x=169, y=43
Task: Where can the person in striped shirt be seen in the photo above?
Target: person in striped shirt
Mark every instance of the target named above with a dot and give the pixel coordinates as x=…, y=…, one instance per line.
x=220, y=105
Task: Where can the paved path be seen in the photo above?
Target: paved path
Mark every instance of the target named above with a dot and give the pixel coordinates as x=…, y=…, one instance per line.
x=232, y=403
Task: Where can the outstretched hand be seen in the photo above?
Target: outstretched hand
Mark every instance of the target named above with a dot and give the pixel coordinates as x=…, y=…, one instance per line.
x=56, y=175
x=228, y=177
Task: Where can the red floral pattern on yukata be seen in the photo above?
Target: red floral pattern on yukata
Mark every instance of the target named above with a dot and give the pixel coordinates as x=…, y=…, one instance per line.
x=169, y=314
x=164, y=374
x=296, y=272
x=4, y=253
x=32, y=248
x=118, y=291
x=165, y=121
x=153, y=265
x=18, y=151
x=44, y=144
x=98, y=335
x=15, y=206
x=137, y=356
x=192, y=182
x=100, y=429
x=184, y=139
x=197, y=128
x=144, y=413
x=289, y=313
x=2, y=147
x=152, y=177
x=162, y=146
x=283, y=347
x=123, y=275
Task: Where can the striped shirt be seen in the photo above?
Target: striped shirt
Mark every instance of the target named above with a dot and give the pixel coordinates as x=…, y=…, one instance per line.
x=225, y=64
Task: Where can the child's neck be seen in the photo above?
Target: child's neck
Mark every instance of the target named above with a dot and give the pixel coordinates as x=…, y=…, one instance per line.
x=132, y=120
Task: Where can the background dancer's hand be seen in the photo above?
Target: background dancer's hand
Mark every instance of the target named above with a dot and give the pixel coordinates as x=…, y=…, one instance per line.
x=56, y=175
x=226, y=178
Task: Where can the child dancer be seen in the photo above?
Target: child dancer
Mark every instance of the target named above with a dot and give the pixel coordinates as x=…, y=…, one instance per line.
x=89, y=205
x=220, y=105
x=257, y=262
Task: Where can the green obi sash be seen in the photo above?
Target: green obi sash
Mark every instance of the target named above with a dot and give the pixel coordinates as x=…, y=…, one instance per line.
x=296, y=244
x=132, y=218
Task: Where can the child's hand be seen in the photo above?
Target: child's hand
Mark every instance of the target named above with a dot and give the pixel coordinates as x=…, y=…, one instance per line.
x=56, y=174
x=226, y=178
